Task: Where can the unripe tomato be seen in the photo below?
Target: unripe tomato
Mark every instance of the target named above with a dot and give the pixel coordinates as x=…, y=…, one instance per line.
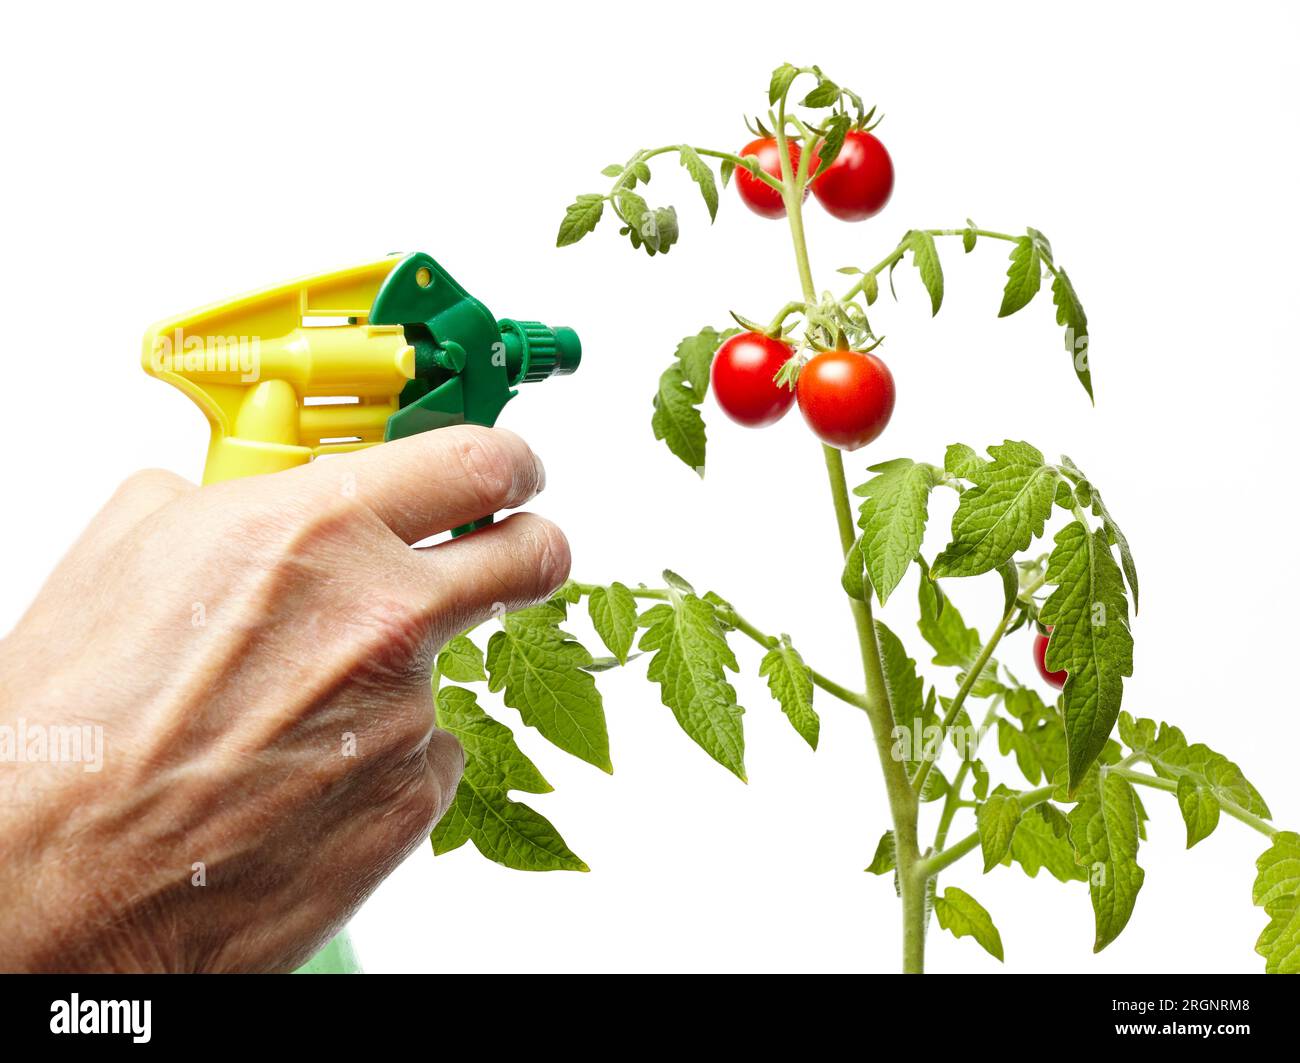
x=1057, y=679
x=858, y=183
x=742, y=378
x=761, y=198
x=846, y=397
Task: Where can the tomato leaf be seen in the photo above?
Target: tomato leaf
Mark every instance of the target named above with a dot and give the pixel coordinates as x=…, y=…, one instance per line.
x=702, y=176
x=1024, y=276
x=837, y=128
x=854, y=569
x=885, y=859
x=925, y=257
x=962, y=461
x=506, y=832
x=782, y=77
x=1069, y=312
x=1090, y=640
x=541, y=670
x=999, y=516
x=997, y=819
x=682, y=388
x=461, y=661
x=1088, y=495
x=1104, y=832
x=690, y=660
x=960, y=913
x=893, y=516
x=488, y=743
x=613, y=614
x=1042, y=840
x=1204, y=777
x=825, y=94
x=677, y=421
x=1277, y=891
x=906, y=695
x=580, y=218
x=503, y=830
x=791, y=684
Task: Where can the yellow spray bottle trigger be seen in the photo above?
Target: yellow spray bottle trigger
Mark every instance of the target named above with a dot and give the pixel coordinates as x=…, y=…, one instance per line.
x=348, y=359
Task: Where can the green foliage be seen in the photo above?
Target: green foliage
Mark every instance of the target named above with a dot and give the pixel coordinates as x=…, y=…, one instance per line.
x=1104, y=830
x=791, y=684
x=962, y=914
x=1207, y=781
x=1005, y=509
x=690, y=662
x=1088, y=613
x=503, y=830
x=540, y=670
x=997, y=818
x=613, y=614
x=682, y=388
x=1277, y=891
x=892, y=517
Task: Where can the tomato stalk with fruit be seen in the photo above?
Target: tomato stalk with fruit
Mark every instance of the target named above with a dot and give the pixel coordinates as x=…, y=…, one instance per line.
x=1056, y=790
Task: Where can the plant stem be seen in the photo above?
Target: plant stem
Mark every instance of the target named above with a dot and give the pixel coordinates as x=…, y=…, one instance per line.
x=730, y=616
x=953, y=801
x=1168, y=785
x=899, y=251
x=903, y=806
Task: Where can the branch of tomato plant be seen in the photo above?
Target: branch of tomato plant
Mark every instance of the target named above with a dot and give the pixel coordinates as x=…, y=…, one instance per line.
x=747, y=163
x=953, y=802
x=895, y=256
x=931, y=865
x=1168, y=785
x=972, y=676
x=903, y=803
x=727, y=613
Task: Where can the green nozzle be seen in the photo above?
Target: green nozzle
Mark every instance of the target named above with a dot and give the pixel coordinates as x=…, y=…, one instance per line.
x=535, y=352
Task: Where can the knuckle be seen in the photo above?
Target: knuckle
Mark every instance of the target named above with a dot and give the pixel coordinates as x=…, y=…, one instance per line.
x=394, y=639
x=546, y=552
x=149, y=484
x=495, y=464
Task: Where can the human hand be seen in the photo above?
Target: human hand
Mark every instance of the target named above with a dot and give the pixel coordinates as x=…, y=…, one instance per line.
x=255, y=658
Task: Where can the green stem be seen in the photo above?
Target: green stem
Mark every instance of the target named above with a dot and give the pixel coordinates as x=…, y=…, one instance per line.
x=1168, y=785
x=650, y=153
x=903, y=805
x=953, y=801
x=730, y=616
x=770, y=642
x=898, y=252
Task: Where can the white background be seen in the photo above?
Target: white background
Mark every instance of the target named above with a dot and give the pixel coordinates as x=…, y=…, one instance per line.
x=160, y=158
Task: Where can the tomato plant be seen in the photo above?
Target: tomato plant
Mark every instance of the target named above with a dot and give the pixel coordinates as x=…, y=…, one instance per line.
x=1059, y=788
x=846, y=397
x=744, y=379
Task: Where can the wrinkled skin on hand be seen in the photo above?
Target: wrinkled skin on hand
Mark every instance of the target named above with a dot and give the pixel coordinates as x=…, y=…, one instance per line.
x=258, y=655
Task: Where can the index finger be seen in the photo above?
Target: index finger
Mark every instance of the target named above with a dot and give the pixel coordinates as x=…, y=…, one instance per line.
x=437, y=480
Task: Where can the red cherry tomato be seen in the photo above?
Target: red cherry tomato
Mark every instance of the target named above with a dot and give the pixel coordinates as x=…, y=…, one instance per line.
x=846, y=397
x=761, y=198
x=742, y=377
x=1057, y=679
x=858, y=183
